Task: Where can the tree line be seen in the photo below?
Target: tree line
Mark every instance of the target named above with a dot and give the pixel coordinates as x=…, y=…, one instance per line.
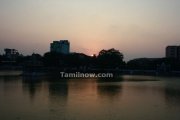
x=106, y=59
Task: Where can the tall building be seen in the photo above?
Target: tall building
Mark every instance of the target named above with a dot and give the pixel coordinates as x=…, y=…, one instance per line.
x=173, y=52
x=62, y=46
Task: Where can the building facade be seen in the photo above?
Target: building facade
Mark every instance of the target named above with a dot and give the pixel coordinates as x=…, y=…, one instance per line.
x=173, y=52
x=11, y=54
x=62, y=46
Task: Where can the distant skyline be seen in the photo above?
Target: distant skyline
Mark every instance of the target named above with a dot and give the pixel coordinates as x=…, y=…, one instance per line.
x=138, y=28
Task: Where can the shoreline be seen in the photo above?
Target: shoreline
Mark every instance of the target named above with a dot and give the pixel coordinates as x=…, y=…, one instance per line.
x=116, y=73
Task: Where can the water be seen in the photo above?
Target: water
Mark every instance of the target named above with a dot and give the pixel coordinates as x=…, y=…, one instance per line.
x=126, y=98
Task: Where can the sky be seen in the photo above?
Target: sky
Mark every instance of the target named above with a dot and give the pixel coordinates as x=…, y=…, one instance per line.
x=137, y=28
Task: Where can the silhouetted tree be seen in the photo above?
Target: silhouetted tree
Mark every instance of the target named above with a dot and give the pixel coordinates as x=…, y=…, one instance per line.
x=153, y=63
x=1, y=58
x=30, y=58
x=111, y=58
x=52, y=59
x=20, y=59
x=36, y=56
x=141, y=63
x=78, y=60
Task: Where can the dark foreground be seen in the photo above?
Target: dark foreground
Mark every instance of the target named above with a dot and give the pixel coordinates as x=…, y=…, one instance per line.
x=125, y=98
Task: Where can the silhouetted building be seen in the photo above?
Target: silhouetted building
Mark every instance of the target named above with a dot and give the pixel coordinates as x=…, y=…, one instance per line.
x=173, y=52
x=62, y=46
x=11, y=54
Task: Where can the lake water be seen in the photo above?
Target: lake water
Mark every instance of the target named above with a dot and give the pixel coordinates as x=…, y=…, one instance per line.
x=125, y=98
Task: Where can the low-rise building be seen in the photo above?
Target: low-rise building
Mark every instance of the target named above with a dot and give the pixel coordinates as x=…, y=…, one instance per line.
x=11, y=54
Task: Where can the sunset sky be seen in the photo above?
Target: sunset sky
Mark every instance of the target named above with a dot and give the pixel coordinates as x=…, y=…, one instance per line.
x=138, y=28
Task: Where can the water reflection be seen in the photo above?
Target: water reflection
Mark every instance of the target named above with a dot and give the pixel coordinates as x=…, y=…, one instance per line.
x=172, y=93
x=58, y=97
x=9, y=85
x=31, y=85
x=109, y=91
x=54, y=98
x=58, y=90
x=172, y=96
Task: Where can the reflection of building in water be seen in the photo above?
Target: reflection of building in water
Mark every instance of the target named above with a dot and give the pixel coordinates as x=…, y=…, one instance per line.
x=172, y=94
x=31, y=85
x=58, y=90
x=58, y=93
x=58, y=97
